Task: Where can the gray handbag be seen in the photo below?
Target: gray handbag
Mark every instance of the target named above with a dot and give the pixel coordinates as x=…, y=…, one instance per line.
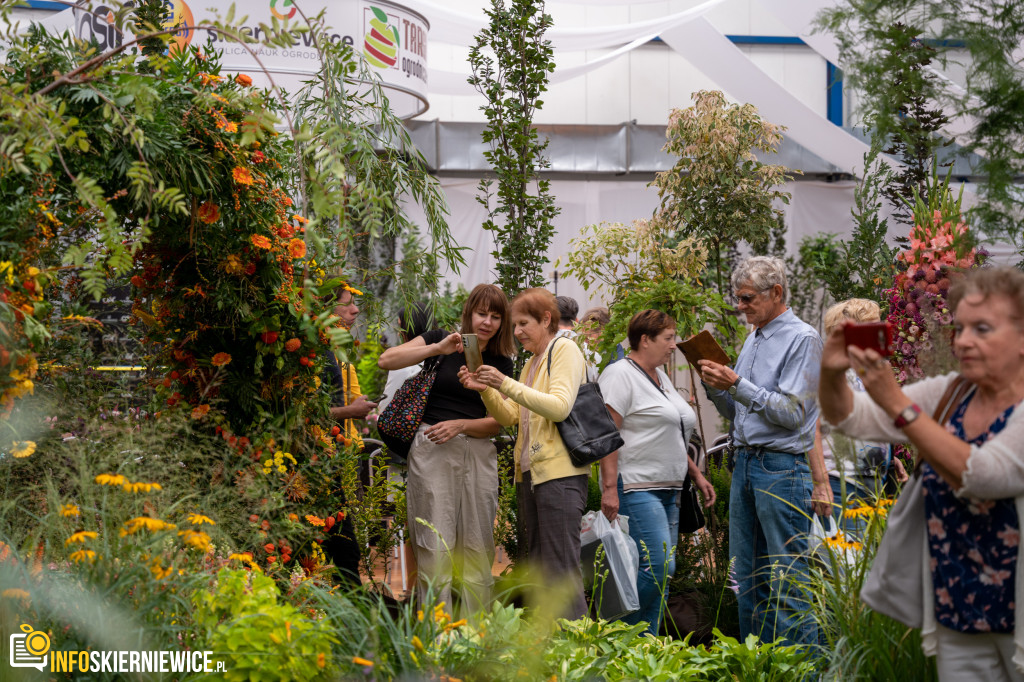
x=894, y=586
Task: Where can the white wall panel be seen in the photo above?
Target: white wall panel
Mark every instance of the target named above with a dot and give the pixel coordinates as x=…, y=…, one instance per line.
x=606, y=95
x=648, y=85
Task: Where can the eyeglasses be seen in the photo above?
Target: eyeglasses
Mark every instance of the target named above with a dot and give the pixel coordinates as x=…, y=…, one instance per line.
x=746, y=299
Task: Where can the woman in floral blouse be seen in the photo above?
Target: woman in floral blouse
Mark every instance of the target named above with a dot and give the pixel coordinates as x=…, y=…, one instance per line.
x=973, y=471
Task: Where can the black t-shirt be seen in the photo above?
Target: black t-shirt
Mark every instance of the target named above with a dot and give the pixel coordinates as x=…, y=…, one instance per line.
x=448, y=398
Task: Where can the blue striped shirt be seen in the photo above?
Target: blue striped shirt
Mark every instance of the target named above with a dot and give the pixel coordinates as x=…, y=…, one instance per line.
x=776, y=400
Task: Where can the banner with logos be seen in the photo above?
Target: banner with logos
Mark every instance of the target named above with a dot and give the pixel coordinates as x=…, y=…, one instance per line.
x=390, y=37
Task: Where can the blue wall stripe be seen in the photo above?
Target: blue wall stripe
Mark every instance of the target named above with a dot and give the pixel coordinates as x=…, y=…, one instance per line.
x=43, y=4
x=834, y=86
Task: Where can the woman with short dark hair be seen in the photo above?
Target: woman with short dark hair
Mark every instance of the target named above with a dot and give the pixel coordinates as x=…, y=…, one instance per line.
x=552, y=491
x=644, y=478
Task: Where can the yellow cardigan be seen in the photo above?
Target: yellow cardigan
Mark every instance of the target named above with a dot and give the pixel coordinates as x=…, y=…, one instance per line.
x=549, y=400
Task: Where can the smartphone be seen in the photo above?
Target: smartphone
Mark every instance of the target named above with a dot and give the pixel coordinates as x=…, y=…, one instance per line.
x=379, y=398
x=874, y=335
x=471, y=347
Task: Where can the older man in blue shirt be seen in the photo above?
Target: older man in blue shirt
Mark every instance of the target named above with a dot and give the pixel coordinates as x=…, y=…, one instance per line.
x=780, y=477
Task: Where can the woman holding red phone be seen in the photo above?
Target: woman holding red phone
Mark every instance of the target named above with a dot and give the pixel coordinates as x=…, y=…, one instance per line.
x=972, y=471
x=453, y=466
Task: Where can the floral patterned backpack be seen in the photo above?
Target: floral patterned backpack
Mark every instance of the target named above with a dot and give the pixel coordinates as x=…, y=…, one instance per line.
x=398, y=422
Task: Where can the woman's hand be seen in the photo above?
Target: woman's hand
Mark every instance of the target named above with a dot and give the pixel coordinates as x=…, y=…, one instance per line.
x=450, y=344
x=490, y=376
x=707, y=491
x=833, y=356
x=901, y=471
x=470, y=381
x=442, y=432
x=610, y=502
x=876, y=374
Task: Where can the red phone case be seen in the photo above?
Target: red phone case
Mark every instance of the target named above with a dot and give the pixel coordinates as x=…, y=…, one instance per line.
x=874, y=335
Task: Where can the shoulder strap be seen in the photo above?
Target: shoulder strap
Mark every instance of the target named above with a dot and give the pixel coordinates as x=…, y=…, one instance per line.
x=646, y=375
x=956, y=391
x=551, y=351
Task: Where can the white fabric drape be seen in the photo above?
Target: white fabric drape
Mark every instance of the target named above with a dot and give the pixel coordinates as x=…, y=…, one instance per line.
x=458, y=28
x=799, y=17
x=711, y=52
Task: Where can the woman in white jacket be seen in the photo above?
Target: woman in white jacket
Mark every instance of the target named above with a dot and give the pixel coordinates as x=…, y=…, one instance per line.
x=973, y=471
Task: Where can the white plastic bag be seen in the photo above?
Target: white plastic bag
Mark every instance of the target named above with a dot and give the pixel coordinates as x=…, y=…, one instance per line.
x=614, y=578
x=837, y=557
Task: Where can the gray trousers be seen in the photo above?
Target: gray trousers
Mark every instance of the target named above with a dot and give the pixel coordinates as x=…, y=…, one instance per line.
x=550, y=515
x=975, y=657
x=454, y=487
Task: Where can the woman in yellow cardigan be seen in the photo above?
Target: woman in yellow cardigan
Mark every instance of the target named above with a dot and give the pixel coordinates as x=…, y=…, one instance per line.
x=552, y=492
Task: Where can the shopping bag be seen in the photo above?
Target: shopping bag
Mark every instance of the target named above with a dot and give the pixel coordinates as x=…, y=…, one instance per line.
x=611, y=573
x=841, y=553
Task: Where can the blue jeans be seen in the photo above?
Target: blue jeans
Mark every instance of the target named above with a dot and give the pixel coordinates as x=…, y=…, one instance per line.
x=769, y=520
x=654, y=525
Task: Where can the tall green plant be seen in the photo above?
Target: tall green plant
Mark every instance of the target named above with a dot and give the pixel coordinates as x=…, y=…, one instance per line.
x=644, y=265
x=511, y=61
x=718, y=192
x=982, y=37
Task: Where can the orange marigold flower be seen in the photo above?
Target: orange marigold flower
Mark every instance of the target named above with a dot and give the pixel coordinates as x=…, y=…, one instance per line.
x=241, y=175
x=243, y=80
x=297, y=248
x=233, y=265
x=208, y=78
x=209, y=212
x=362, y=661
x=200, y=411
x=220, y=359
x=259, y=241
x=300, y=219
x=314, y=520
x=292, y=345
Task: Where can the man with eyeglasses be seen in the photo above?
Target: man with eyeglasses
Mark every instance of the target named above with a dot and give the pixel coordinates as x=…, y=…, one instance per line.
x=780, y=477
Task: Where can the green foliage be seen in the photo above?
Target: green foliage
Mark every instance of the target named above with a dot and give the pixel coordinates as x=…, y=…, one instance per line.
x=511, y=61
x=258, y=637
x=689, y=304
x=371, y=377
x=377, y=511
x=359, y=166
x=864, y=265
x=506, y=530
x=718, y=192
x=861, y=644
x=980, y=37
x=646, y=265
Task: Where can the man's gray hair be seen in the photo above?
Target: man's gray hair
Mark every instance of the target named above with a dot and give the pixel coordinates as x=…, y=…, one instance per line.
x=762, y=273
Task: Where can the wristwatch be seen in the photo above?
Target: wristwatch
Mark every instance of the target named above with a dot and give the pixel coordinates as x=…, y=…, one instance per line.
x=907, y=415
x=735, y=385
